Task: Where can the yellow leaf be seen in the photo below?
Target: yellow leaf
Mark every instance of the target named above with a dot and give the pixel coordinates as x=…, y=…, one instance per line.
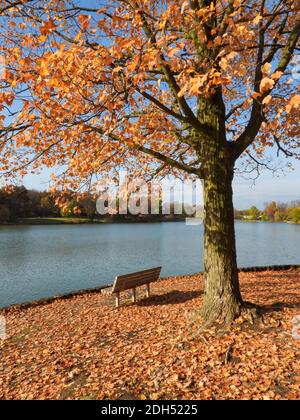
x=294, y=103
x=266, y=84
x=255, y=95
x=173, y=51
x=184, y=6
x=257, y=19
x=267, y=100
x=266, y=68
x=183, y=90
x=224, y=63
x=277, y=75
x=231, y=55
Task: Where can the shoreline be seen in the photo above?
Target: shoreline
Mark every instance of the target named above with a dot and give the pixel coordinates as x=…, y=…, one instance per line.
x=94, y=290
x=52, y=221
x=289, y=222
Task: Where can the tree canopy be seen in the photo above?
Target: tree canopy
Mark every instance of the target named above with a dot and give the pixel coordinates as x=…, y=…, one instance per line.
x=129, y=84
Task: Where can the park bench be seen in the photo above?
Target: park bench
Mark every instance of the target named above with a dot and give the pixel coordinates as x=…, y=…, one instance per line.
x=134, y=280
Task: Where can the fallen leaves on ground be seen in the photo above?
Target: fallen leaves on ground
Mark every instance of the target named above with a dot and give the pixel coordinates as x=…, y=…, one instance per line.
x=84, y=348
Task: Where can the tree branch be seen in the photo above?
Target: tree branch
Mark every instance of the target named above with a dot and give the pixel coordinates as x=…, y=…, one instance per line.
x=157, y=155
x=161, y=106
x=169, y=161
x=170, y=77
x=256, y=119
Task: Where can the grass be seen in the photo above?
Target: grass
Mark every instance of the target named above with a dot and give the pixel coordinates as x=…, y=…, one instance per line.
x=86, y=220
x=56, y=220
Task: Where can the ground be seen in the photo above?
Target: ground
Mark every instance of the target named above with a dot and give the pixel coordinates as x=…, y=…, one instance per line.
x=84, y=348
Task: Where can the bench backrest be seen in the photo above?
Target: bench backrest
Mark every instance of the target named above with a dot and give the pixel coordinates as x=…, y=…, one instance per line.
x=130, y=281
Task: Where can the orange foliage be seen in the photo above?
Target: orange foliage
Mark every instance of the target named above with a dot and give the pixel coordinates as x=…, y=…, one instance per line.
x=85, y=89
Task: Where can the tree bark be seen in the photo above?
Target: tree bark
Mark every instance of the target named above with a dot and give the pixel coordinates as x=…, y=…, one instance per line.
x=222, y=297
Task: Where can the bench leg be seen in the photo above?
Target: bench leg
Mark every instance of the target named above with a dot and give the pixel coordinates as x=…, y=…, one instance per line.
x=117, y=300
x=133, y=295
x=148, y=290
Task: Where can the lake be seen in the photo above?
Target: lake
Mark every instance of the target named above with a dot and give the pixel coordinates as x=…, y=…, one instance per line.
x=43, y=261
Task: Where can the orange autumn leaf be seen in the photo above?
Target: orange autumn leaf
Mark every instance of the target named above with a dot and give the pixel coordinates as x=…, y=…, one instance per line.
x=266, y=68
x=257, y=19
x=47, y=27
x=267, y=100
x=84, y=21
x=266, y=84
x=293, y=104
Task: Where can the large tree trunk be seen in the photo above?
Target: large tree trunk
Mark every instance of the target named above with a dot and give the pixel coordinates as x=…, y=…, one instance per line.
x=222, y=297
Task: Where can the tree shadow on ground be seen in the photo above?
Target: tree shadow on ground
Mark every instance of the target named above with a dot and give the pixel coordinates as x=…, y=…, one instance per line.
x=278, y=307
x=169, y=298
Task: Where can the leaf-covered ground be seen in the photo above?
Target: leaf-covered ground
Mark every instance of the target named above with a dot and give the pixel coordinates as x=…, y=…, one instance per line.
x=84, y=348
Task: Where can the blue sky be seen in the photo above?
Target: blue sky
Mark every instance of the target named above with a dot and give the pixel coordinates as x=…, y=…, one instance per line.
x=281, y=187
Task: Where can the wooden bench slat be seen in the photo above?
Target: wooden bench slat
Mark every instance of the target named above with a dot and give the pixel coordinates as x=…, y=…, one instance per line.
x=140, y=273
x=133, y=280
x=129, y=284
x=125, y=279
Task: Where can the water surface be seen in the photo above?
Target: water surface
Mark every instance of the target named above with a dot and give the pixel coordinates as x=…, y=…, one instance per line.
x=43, y=261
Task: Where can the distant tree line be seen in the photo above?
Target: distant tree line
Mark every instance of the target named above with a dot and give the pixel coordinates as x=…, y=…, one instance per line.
x=18, y=202
x=273, y=212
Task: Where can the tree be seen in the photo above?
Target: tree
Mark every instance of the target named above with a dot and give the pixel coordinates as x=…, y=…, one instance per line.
x=67, y=210
x=271, y=210
x=18, y=202
x=47, y=207
x=294, y=214
x=264, y=217
x=4, y=213
x=254, y=213
x=279, y=216
x=88, y=207
x=189, y=86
